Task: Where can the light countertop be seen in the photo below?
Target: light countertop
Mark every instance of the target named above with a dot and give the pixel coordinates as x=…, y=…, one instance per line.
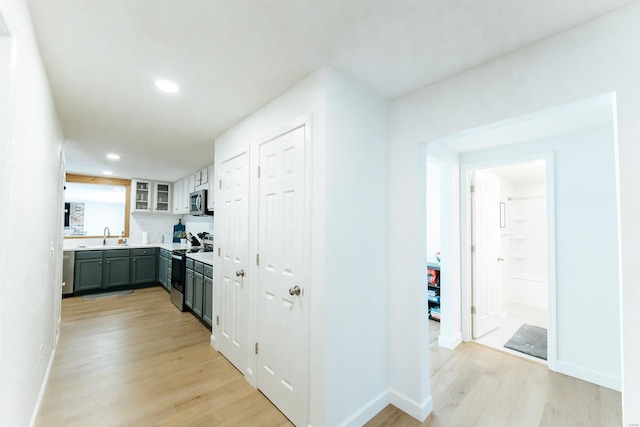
x=205, y=257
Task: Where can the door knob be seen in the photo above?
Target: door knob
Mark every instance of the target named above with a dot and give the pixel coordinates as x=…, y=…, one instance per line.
x=294, y=290
x=240, y=273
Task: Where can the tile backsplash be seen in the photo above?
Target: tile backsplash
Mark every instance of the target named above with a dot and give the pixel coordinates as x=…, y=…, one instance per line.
x=159, y=225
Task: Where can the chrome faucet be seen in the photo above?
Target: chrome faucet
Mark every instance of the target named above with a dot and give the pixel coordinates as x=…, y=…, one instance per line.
x=106, y=233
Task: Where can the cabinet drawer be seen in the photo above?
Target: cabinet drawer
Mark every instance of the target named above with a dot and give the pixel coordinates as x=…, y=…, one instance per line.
x=190, y=263
x=88, y=254
x=144, y=251
x=116, y=253
x=208, y=270
x=199, y=267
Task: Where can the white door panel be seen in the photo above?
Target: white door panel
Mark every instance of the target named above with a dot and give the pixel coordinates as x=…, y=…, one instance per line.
x=234, y=247
x=485, y=202
x=283, y=365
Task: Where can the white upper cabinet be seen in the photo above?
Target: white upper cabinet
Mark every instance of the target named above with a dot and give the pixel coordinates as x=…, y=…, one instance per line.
x=162, y=197
x=212, y=180
x=187, y=189
x=178, y=204
x=201, y=178
x=141, y=195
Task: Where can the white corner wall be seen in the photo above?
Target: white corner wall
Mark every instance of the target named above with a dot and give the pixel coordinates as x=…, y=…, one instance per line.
x=349, y=292
x=30, y=283
x=356, y=255
x=587, y=60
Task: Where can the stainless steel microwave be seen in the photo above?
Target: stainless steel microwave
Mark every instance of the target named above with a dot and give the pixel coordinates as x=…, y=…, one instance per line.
x=198, y=203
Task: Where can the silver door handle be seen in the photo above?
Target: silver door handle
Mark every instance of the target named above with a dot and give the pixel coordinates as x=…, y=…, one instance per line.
x=240, y=273
x=294, y=290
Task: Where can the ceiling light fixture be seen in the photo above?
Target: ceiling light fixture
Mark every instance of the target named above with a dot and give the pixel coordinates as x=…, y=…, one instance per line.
x=167, y=86
x=113, y=156
x=107, y=172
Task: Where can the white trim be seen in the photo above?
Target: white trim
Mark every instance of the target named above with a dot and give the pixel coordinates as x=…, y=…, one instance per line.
x=419, y=411
x=43, y=389
x=589, y=375
x=367, y=411
x=450, y=342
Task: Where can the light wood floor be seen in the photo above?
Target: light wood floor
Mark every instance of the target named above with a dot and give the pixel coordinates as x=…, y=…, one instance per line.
x=475, y=386
x=135, y=360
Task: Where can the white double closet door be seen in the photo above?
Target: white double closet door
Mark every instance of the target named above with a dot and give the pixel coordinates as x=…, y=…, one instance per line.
x=282, y=301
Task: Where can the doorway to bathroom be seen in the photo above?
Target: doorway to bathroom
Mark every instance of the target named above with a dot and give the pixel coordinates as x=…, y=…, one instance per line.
x=509, y=256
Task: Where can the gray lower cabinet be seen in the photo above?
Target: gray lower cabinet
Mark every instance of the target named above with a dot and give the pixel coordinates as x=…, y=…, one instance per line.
x=101, y=269
x=198, y=282
x=116, y=268
x=164, y=268
x=207, y=300
x=88, y=271
x=188, y=288
x=144, y=266
x=198, y=293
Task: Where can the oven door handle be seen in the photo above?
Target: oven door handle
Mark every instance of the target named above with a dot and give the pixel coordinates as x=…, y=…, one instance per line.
x=176, y=257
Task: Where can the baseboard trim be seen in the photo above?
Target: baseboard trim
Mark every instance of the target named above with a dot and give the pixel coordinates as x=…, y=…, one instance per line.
x=43, y=389
x=450, y=342
x=419, y=411
x=588, y=375
x=367, y=411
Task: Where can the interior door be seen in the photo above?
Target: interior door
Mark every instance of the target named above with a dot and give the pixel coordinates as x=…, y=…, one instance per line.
x=283, y=365
x=485, y=253
x=234, y=254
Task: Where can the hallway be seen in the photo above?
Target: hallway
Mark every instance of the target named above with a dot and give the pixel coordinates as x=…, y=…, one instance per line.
x=135, y=360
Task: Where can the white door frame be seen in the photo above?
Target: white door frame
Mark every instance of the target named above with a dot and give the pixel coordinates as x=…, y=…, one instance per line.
x=465, y=240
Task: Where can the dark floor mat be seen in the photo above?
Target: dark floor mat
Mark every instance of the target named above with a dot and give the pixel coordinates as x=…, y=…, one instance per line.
x=531, y=340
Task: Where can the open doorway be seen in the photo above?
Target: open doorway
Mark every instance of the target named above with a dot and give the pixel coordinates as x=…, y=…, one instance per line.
x=578, y=143
x=509, y=258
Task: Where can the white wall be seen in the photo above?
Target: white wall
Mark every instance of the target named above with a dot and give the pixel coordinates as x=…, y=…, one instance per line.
x=579, y=63
x=356, y=255
x=30, y=284
x=526, y=220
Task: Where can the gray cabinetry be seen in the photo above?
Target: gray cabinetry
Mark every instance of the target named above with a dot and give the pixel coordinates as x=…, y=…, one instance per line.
x=188, y=287
x=115, y=268
x=164, y=268
x=144, y=266
x=88, y=271
x=207, y=300
x=198, y=282
x=198, y=293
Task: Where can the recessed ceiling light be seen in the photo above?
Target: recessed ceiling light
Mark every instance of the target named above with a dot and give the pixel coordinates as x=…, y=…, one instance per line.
x=113, y=156
x=167, y=86
x=107, y=172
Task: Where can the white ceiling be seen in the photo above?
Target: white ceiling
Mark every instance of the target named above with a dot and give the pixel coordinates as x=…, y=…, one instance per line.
x=230, y=57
